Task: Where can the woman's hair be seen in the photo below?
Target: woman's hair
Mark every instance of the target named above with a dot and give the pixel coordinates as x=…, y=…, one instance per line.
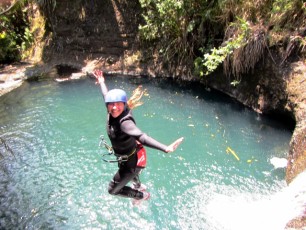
x=134, y=100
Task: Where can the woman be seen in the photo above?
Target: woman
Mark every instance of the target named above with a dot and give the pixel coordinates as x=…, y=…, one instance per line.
x=127, y=141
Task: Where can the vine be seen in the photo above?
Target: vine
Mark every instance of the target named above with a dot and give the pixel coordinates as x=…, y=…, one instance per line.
x=210, y=61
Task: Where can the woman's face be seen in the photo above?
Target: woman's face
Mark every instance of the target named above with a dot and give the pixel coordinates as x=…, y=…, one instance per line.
x=115, y=108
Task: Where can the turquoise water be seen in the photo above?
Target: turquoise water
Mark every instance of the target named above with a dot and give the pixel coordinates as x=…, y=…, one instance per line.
x=52, y=175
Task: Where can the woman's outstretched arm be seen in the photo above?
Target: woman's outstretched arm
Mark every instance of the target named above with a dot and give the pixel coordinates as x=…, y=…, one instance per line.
x=129, y=127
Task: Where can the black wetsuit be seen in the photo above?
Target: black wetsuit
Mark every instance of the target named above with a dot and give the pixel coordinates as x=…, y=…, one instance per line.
x=124, y=134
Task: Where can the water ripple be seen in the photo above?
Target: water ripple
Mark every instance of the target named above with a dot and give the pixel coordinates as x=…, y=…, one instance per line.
x=57, y=179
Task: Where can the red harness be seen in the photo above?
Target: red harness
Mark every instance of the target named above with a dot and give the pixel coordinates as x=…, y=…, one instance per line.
x=141, y=156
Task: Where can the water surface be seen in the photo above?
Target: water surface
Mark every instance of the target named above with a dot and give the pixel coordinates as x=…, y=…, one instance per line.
x=52, y=175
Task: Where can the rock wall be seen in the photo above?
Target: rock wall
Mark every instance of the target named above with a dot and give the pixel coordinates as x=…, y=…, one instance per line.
x=296, y=90
x=94, y=30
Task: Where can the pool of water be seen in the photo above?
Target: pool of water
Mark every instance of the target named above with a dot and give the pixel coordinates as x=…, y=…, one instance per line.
x=52, y=175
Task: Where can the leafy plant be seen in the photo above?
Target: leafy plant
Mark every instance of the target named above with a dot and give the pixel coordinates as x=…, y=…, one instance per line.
x=8, y=42
x=235, y=33
x=15, y=36
x=210, y=61
x=177, y=27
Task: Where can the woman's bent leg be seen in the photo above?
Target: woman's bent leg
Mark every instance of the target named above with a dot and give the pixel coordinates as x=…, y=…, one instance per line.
x=118, y=185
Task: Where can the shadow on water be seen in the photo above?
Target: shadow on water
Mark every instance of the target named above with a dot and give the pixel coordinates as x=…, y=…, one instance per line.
x=199, y=91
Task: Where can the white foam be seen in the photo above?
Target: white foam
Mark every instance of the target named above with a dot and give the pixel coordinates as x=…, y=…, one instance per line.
x=233, y=209
x=278, y=162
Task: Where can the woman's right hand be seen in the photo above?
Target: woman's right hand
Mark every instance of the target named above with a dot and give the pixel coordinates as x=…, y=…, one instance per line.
x=99, y=75
x=174, y=145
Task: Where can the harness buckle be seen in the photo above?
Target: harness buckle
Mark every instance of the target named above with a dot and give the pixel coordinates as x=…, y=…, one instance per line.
x=123, y=158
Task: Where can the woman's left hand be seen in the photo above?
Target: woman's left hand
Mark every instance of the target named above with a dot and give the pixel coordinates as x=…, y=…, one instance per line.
x=174, y=145
x=99, y=75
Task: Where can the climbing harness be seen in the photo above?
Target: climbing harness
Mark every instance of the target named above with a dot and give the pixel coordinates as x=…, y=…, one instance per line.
x=120, y=158
x=109, y=148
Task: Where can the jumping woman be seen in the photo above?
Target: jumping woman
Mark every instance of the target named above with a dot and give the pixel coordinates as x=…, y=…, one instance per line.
x=127, y=141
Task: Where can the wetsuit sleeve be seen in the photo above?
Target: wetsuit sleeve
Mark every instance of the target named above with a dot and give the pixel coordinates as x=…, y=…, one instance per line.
x=104, y=89
x=129, y=127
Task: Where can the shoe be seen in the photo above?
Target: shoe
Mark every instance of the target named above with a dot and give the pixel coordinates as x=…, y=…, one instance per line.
x=146, y=196
x=141, y=188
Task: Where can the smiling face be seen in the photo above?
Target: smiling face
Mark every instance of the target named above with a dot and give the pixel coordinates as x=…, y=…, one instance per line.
x=115, y=108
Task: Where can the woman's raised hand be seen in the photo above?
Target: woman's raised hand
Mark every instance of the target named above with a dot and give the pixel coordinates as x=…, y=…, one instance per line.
x=99, y=75
x=174, y=145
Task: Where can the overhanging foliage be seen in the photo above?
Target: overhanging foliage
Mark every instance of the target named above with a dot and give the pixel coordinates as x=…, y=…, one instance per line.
x=235, y=33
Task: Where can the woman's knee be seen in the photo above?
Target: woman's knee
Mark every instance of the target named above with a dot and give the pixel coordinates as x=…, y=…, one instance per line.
x=112, y=189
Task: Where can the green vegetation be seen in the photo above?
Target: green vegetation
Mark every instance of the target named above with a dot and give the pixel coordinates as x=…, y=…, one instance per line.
x=177, y=28
x=218, y=56
x=22, y=28
x=15, y=36
x=235, y=33
x=185, y=33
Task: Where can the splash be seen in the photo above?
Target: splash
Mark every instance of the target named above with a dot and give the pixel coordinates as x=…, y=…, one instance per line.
x=231, y=208
x=256, y=211
x=278, y=162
